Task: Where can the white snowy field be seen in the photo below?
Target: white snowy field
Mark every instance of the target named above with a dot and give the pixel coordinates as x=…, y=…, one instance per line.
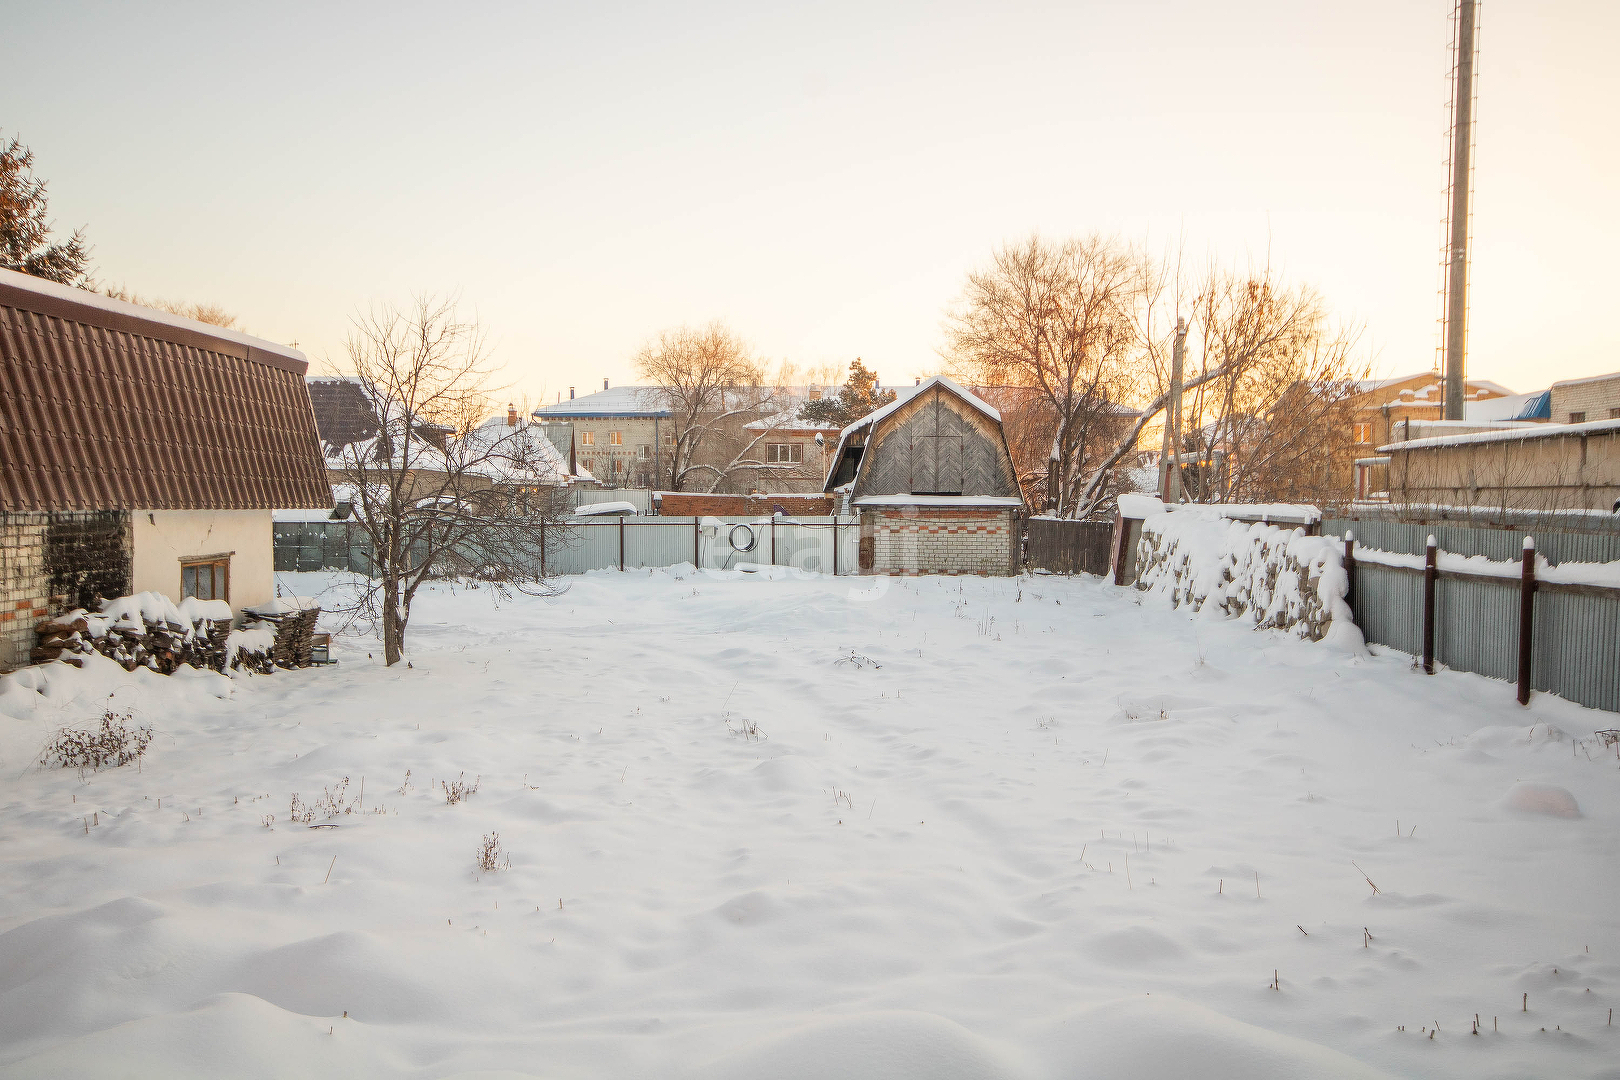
x=1036, y=829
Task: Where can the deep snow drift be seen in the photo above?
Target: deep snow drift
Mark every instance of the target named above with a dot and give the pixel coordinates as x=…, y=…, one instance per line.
x=776, y=825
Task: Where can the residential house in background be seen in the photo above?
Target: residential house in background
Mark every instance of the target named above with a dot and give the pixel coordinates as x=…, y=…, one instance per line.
x=143, y=452
x=1383, y=409
x=1582, y=401
x=346, y=417
x=622, y=436
x=797, y=450
x=625, y=436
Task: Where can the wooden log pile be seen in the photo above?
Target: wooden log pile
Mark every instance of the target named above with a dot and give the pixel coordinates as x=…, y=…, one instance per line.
x=159, y=646
x=295, y=636
x=62, y=640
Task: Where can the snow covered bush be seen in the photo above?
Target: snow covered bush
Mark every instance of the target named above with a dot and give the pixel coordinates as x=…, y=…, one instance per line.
x=118, y=741
x=1278, y=579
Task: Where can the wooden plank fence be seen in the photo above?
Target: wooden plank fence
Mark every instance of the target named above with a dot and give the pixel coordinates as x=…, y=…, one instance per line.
x=1068, y=547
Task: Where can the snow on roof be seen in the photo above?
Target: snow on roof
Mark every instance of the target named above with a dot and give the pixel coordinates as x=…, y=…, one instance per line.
x=789, y=420
x=1511, y=407
x=605, y=508
x=29, y=283
x=933, y=380
x=1367, y=386
x=516, y=453
x=1529, y=431
x=1587, y=379
x=997, y=501
x=626, y=401
x=1423, y=429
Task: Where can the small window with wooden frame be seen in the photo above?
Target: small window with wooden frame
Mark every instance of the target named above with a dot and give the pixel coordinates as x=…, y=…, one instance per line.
x=206, y=577
x=784, y=453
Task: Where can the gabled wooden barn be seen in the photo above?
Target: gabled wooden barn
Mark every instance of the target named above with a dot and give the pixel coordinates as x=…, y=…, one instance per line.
x=933, y=482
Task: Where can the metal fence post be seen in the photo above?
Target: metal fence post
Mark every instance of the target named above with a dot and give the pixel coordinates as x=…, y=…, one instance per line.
x=1350, y=570
x=1430, y=572
x=1527, y=612
x=542, y=547
x=697, y=533
x=835, y=545
x=773, y=539
x=621, y=543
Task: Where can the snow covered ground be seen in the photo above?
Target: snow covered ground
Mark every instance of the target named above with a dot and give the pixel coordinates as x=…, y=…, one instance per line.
x=1041, y=829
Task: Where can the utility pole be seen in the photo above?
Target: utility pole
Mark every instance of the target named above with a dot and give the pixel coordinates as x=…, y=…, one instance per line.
x=1462, y=114
x=1170, y=457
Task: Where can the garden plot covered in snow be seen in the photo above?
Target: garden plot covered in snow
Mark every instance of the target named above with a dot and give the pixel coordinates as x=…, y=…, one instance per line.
x=777, y=825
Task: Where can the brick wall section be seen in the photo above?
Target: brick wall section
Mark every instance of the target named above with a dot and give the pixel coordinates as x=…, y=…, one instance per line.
x=23, y=584
x=935, y=541
x=89, y=560
x=1597, y=398
x=683, y=504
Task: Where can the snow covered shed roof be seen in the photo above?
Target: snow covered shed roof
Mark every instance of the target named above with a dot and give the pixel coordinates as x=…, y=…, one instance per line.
x=1536, y=405
x=1515, y=434
x=606, y=509
x=106, y=405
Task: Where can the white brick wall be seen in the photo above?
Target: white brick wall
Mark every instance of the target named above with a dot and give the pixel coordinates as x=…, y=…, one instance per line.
x=1596, y=398
x=22, y=585
x=942, y=542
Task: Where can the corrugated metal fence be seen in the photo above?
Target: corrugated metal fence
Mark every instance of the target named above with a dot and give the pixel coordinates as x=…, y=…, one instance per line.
x=817, y=544
x=1576, y=644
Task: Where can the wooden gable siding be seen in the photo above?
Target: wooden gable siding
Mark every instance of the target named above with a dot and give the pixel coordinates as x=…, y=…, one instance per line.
x=936, y=443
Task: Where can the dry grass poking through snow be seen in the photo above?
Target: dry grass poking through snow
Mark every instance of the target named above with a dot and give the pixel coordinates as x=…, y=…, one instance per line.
x=491, y=857
x=1055, y=780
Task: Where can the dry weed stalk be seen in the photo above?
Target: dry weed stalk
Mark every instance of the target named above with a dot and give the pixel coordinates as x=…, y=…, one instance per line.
x=458, y=789
x=116, y=742
x=492, y=858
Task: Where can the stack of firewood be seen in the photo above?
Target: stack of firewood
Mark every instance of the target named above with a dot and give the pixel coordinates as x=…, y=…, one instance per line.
x=62, y=640
x=159, y=646
x=295, y=637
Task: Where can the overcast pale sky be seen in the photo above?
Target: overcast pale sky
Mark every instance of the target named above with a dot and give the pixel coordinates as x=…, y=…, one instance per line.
x=821, y=176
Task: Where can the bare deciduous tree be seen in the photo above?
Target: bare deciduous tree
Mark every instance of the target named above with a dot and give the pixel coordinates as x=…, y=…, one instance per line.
x=1054, y=325
x=1275, y=425
x=1071, y=333
x=437, y=494
x=713, y=387
x=213, y=314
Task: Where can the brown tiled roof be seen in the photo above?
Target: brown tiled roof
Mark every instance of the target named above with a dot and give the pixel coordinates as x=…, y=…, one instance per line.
x=344, y=413
x=111, y=406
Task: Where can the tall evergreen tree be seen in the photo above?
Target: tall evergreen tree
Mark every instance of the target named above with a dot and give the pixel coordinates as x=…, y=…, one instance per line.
x=859, y=396
x=25, y=228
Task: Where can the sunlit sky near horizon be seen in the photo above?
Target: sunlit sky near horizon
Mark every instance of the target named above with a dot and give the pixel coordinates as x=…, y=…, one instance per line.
x=820, y=176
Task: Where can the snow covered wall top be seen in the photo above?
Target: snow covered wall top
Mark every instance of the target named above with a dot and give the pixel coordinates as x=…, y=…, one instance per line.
x=1280, y=579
